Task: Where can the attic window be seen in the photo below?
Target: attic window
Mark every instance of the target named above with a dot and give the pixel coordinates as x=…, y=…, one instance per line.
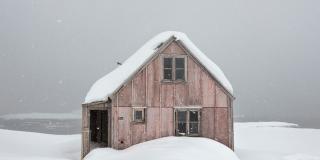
x=174, y=68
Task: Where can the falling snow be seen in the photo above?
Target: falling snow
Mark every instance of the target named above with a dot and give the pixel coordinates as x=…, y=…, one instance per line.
x=59, y=21
x=60, y=82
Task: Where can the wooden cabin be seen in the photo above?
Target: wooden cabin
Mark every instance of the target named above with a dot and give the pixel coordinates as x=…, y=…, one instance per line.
x=167, y=88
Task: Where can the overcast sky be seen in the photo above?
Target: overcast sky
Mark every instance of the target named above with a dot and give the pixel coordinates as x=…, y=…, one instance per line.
x=51, y=52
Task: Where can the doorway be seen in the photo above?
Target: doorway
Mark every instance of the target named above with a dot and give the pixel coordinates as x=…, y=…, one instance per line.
x=98, y=128
x=187, y=122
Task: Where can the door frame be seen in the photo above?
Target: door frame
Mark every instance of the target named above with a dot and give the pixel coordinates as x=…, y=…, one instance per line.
x=188, y=109
x=91, y=146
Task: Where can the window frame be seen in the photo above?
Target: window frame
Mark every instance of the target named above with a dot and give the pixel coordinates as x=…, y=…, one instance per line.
x=188, y=110
x=174, y=56
x=134, y=109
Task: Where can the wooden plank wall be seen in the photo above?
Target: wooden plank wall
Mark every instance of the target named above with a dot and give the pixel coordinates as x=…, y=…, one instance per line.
x=85, y=145
x=147, y=90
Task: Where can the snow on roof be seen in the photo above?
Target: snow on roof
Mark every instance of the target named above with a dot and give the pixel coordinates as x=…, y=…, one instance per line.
x=107, y=85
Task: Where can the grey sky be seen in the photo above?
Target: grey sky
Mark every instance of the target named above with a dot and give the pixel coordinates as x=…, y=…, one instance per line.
x=51, y=52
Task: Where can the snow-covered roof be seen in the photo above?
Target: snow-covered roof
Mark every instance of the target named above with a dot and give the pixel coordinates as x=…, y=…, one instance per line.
x=107, y=85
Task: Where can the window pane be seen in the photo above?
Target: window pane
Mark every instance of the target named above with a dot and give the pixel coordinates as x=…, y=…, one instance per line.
x=182, y=123
x=167, y=74
x=138, y=115
x=167, y=63
x=179, y=74
x=193, y=116
x=193, y=128
x=193, y=122
x=179, y=62
x=182, y=116
x=182, y=128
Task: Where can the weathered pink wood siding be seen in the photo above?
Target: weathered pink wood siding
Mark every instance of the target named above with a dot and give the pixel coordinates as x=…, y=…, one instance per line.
x=208, y=90
x=152, y=123
x=167, y=122
x=167, y=95
x=124, y=127
x=221, y=125
x=207, y=122
x=174, y=48
x=139, y=89
x=146, y=90
x=194, y=83
x=181, y=94
x=138, y=133
x=125, y=98
x=153, y=83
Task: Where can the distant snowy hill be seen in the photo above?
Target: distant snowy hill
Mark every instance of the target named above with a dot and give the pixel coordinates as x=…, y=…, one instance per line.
x=254, y=141
x=62, y=116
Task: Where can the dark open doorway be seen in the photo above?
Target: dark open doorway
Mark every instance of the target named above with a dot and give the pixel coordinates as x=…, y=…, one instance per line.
x=99, y=128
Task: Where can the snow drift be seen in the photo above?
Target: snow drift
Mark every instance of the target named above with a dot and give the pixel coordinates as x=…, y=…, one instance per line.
x=168, y=148
x=276, y=141
x=253, y=141
x=18, y=145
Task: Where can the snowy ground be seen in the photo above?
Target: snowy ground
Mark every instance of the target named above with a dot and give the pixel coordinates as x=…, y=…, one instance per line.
x=17, y=145
x=254, y=141
x=276, y=141
x=169, y=148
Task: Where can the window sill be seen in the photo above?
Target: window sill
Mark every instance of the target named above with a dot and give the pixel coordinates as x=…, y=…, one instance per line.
x=137, y=122
x=174, y=81
x=194, y=135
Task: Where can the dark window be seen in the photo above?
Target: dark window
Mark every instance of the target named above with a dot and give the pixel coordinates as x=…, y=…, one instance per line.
x=168, y=74
x=174, y=68
x=187, y=122
x=179, y=62
x=138, y=115
x=179, y=68
x=182, y=123
x=193, y=122
x=167, y=68
x=167, y=62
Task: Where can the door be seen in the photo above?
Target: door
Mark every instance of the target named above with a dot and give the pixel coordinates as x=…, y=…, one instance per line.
x=187, y=122
x=99, y=127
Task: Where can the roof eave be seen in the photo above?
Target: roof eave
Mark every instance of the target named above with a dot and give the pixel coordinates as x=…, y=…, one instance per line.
x=191, y=54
